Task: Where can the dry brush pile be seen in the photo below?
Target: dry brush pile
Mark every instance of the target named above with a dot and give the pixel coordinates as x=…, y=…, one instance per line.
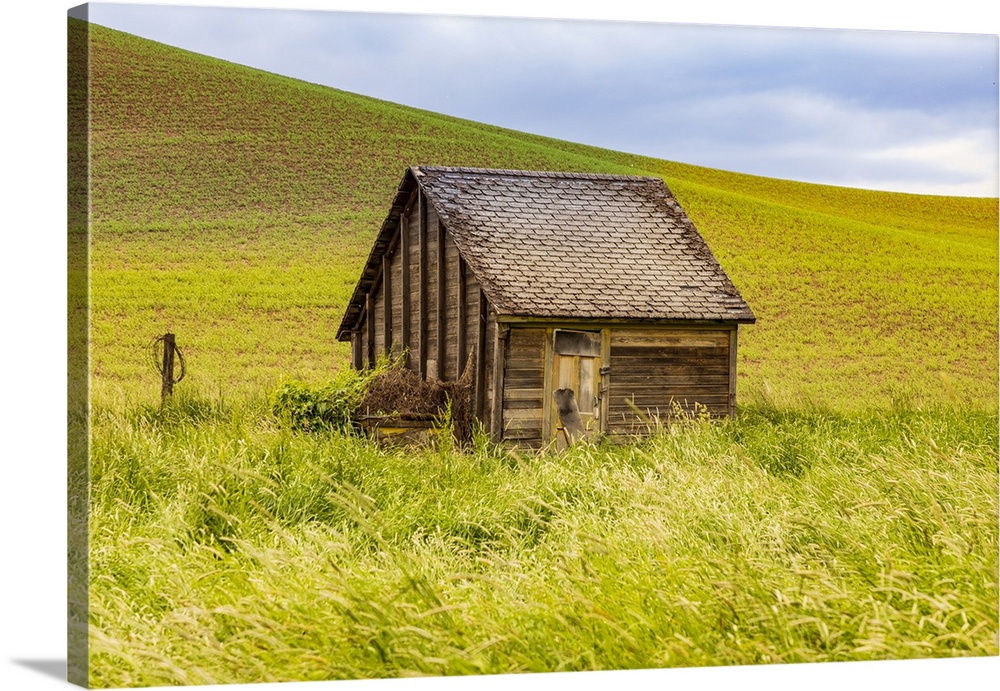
x=388, y=392
x=399, y=393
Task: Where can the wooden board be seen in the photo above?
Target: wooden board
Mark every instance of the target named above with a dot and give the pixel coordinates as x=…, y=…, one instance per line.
x=406, y=289
x=652, y=369
x=523, y=379
x=690, y=338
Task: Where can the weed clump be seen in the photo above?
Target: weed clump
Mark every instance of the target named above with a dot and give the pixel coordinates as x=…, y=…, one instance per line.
x=388, y=390
x=311, y=407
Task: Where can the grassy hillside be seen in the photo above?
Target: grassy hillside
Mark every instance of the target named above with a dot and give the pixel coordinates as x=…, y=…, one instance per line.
x=235, y=207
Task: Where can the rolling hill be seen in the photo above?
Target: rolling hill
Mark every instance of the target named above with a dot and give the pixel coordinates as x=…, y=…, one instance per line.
x=235, y=207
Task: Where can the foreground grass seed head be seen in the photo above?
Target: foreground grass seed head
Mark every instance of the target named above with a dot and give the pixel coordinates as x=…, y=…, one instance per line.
x=226, y=547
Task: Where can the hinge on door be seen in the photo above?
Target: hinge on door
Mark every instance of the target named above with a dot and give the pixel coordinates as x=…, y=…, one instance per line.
x=606, y=369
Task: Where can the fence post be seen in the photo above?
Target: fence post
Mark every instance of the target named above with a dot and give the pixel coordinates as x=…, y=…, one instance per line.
x=168, y=367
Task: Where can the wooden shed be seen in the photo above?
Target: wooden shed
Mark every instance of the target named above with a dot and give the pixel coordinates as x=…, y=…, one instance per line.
x=545, y=283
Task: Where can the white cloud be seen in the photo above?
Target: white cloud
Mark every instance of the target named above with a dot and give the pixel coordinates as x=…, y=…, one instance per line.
x=961, y=165
x=818, y=137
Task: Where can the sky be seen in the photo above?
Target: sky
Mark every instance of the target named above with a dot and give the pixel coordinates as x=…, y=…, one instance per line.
x=911, y=111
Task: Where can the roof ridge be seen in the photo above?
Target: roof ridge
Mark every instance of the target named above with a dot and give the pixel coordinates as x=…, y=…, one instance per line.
x=531, y=173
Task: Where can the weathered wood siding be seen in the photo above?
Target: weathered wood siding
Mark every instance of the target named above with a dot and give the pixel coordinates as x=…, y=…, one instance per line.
x=411, y=255
x=480, y=336
x=426, y=279
x=361, y=352
x=395, y=264
x=489, y=395
x=434, y=298
x=523, y=387
x=652, y=369
x=451, y=368
x=378, y=307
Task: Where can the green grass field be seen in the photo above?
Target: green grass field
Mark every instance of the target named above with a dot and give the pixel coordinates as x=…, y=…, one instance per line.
x=226, y=549
x=848, y=512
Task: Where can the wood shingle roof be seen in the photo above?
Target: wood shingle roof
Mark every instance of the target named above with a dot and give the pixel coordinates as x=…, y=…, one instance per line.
x=581, y=245
x=575, y=245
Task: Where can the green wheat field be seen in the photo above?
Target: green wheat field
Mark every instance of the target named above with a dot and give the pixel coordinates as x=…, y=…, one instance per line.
x=848, y=511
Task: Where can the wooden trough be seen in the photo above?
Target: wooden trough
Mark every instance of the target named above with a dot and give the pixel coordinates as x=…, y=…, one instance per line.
x=397, y=430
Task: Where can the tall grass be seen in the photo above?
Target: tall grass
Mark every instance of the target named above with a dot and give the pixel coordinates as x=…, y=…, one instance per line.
x=227, y=548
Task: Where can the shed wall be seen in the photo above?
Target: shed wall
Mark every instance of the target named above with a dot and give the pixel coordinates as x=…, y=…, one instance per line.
x=648, y=374
x=452, y=312
x=398, y=295
x=365, y=360
x=428, y=285
x=652, y=370
x=378, y=308
x=410, y=229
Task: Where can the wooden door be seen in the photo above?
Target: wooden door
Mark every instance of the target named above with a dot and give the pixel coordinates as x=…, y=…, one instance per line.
x=576, y=366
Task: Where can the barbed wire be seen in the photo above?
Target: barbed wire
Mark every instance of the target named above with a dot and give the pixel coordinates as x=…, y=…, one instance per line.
x=156, y=347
